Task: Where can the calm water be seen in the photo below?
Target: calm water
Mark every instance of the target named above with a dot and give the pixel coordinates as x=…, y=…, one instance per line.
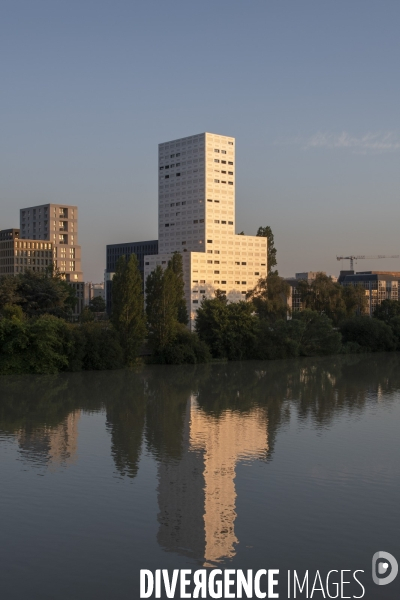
x=287, y=464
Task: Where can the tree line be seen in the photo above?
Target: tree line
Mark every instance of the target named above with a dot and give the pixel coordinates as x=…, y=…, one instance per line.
x=37, y=334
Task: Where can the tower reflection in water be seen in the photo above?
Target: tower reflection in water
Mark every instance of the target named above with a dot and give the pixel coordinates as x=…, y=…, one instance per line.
x=196, y=493
x=55, y=446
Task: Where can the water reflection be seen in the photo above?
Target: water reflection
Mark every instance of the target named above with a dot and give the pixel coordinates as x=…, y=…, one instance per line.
x=197, y=423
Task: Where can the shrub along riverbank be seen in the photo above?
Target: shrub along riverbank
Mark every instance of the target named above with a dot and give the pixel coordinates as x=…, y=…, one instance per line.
x=37, y=334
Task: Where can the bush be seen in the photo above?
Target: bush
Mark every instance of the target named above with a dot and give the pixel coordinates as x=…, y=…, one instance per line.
x=275, y=340
x=315, y=334
x=373, y=335
x=33, y=346
x=186, y=348
x=102, y=350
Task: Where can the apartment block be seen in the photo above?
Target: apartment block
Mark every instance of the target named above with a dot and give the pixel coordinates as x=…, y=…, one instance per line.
x=58, y=224
x=18, y=255
x=115, y=251
x=196, y=216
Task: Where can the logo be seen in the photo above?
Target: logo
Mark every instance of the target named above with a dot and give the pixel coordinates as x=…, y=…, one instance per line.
x=384, y=563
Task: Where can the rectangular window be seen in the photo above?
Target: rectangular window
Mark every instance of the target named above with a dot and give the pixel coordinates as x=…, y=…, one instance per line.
x=178, y=154
x=256, y=273
x=243, y=283
x=230, y=182
x=202, y=291
x=216, y=272
x=209, y=241
x=178, y=174
x=166, y=224
x=216, y=180
x=216, y=160
x=223, y=162
x=237, y=263
x=243, y=263
x=230, y=222
x=223, y=151
x=209, y=262
x=209, y=200
x=161, y=168
x=230, y=162
x=216, y=221
x=230, y=143
x=196, y=221
x=172, y=155
x=195, y=301
x=215, y=150
x=216, y=262
x=167, y=177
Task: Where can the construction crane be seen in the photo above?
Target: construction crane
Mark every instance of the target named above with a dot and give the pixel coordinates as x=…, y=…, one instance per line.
x=358, y=257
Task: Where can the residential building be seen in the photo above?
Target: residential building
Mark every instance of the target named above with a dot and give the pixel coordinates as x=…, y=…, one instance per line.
x=58, y=224
x=18, y=255
x=196, y=216
x=115, y=251
x=378, y=285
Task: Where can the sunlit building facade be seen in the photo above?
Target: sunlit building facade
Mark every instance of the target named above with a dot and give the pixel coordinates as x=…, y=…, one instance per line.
x=196, y=216
x=378, y=285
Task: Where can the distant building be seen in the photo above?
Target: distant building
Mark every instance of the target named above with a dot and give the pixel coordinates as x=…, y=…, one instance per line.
x=115, y=251
x=94, y=290
x=379, y=285
x=18, y=255
x=58, y=224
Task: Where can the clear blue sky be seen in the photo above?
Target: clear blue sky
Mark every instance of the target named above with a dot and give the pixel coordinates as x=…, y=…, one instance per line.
x=309, y=89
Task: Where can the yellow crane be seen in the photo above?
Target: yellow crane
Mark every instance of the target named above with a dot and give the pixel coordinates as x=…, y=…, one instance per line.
x=359, y=256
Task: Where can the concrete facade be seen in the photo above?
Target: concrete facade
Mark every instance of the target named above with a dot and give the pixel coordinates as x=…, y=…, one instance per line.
x=18, y=255
x=196, y=216
x=58, y=224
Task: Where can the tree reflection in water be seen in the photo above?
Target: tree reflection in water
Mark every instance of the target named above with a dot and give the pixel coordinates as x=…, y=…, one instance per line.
x=197, y=422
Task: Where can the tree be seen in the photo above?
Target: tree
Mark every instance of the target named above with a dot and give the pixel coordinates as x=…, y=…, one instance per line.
x=371, y=335
x=161, y=307
x=316, y=335
x=324, y=296
x=127, y=306
x=387, y=310
x=270, y=296
x=176, y=265
x=228, y=329
x=86, y=315
x=97, y=304
x=355, y=299
x=271, y=250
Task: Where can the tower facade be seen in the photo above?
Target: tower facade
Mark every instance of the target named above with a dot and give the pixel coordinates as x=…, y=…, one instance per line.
x=57, y=223
x=196, y=216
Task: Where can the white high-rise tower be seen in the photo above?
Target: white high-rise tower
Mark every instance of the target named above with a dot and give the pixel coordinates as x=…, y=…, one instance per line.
x=196, y=216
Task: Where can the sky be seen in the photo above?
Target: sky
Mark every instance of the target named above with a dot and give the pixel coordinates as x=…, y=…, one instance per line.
x=309, y=89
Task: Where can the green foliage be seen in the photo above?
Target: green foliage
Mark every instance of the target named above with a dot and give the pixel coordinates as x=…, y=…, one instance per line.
x=373, y=335
x=387, y=310
x=332, y=299
x=38, y=293
x=161, y=308
x=271, y=250
x=186, y=348
x=86, y=315
x=176, y=265
x=270, y=296
x=127, y=306
x=12, y=311
x=315, y=334
x=97, y=304
x=277, y=339
x=32, y=346
x=228, y=329
x=102, y=348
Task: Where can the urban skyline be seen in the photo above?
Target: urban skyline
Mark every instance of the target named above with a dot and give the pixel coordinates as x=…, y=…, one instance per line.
x=316, y=121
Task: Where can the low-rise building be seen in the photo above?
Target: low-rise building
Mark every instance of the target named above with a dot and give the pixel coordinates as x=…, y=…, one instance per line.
x=294, y=299
x=18, y=255
x=378, y=285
